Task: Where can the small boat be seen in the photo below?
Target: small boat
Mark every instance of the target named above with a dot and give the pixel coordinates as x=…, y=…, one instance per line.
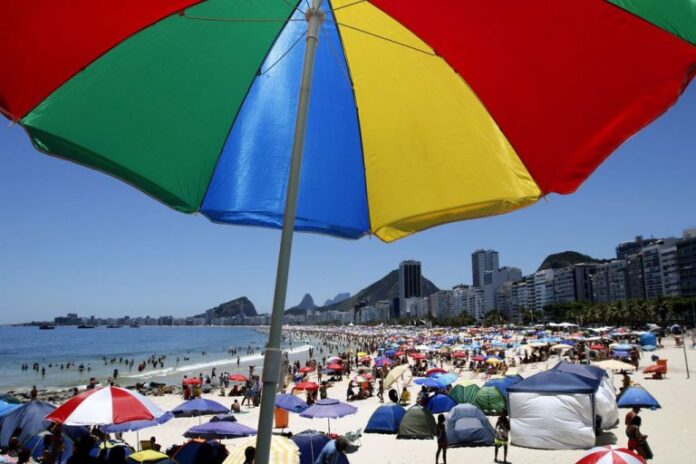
x=113, y=326
x=85, y=326
x=46, y=327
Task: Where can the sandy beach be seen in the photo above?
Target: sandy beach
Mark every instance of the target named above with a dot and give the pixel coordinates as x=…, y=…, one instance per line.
x=669, y=429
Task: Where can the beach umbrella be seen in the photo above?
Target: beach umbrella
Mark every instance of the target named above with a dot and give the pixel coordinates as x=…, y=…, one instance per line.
x=446, y=379
x=614, y=365
x=192, y=381
x=430, y=383
x=381, y=362
x=395, y=374
x=219, y=430
x=514, y=140
x=290, y=403
x=199, y=407
x=238, y=378
x=283, y=451
x=610, y=454
x=134, y=426
x=305, y=370
x=6, y=408
x=306, y=386
x=105, y=406
x=418, y=356
x=200, y=451
x=637, y=397
x=329, y=408
x=621, y=346
x=435, y=370
x=334, y=367
x=439, y=403
x=150, y=457
x=30, y=417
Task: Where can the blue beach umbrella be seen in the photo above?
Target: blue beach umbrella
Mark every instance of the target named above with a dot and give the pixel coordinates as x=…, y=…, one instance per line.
x=430, y=383
x=199, y=407
x=446, y=379
x=290, y=403
x=219, y=430
x=637, y=397
x=328, y=408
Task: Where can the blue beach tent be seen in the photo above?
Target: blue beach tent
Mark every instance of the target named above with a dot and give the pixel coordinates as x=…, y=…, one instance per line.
x=386, y=419
x=30, y=417
x=467, y=425
x=439, y=403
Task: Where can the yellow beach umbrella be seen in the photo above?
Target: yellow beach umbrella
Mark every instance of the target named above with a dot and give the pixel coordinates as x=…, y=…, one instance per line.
x=283, y=451
x=614, y=365
x=395, y=374
x=493, y=361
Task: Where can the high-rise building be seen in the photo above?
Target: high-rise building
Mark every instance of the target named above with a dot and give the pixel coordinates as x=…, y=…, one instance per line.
x=441, y=304
x=610, y=281
x=543, y=289
x=670, y=271
x=686, y=260
x=583, y=281
x=635, y=276
x=482, y=261
x=492, y=280
x=410, y=284
x=626, y=249
x=564, y=285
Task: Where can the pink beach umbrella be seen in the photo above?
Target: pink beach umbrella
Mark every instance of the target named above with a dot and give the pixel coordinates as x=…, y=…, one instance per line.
x=611, y=455
x=105, y=406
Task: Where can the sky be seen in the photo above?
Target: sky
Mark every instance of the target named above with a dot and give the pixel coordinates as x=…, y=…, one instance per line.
x=75, y=240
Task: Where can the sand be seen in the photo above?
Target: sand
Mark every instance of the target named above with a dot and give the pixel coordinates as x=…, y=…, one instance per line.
x=671, y=435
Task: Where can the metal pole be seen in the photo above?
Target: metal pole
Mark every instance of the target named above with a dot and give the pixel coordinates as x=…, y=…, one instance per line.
x=686, y=359
x=273, y=357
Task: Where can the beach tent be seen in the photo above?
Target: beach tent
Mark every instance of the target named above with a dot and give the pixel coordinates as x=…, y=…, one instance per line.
x=490, y=401
x=36, y=445
x=310, y=443
x=605, y=396
x=195, y=451
x=468, y=426
x=648, y=339
x=30, y=417
x=502, y=384
x=553, y=409
x=464, y=393
x=386, y=419
x=439, y=403
x=417, y=423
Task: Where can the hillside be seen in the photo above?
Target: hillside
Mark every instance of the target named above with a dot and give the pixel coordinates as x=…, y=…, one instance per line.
x=231, y=308
x=565, y=259
x=386, y=288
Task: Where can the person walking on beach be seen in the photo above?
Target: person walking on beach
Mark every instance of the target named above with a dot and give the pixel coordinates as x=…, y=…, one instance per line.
x=380, y=391
x=638, y=442
x=502, y=431
x=441, y=434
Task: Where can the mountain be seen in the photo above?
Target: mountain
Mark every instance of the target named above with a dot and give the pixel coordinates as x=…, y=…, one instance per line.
x=386, y=288
x=337, y=299
x=565, y=259
x=240, y=306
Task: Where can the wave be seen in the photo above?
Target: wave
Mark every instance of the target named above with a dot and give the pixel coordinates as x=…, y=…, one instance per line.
x=203, y=366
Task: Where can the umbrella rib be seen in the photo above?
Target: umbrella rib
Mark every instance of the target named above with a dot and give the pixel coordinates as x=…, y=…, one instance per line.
x=395, y=42
x=242, y=20
x=338, y=60
x=300, y=37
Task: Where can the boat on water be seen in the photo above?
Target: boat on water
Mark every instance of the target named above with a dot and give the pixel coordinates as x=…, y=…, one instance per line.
x=113, y=326
x=46, y=327
x=85, y=326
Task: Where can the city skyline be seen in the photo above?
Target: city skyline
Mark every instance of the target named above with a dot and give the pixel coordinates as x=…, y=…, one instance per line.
x=73, y=239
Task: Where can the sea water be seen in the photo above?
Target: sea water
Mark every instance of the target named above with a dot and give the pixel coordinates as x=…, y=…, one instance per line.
x=198, y=350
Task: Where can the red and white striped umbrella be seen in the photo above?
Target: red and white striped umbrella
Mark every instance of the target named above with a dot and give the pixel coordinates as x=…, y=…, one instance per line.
x=105, y=406
x=611, y=455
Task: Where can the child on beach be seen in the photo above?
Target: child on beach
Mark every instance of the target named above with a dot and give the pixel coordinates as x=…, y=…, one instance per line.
x=502, y=429
x=441, y=434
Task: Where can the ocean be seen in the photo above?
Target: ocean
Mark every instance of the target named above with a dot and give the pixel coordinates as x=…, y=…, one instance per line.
x=198, y=349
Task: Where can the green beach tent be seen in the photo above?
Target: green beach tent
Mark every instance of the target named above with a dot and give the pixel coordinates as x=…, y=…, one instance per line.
x=418, y=423
x=462, y=393
x=490, y=401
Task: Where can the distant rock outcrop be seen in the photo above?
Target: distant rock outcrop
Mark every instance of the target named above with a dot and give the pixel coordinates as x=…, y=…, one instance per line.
x=565, y=259
x=337, y=299
x=386, y=288
x=238, y=307
x=306, y=303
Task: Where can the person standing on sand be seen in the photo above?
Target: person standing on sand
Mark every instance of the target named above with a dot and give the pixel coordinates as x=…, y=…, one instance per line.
x=380, y=391
x=441, y=435
x=631, y=414
x=502, y=431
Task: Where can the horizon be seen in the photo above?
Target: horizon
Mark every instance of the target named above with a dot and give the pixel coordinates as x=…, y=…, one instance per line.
x=75, y=240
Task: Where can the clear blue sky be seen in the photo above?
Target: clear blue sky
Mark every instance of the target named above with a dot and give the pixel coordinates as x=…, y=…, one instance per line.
x=74, y=240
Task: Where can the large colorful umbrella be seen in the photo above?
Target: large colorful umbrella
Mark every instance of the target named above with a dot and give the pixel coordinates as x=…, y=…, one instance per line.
x=415, y=109
x=610, y=455
x=104, y=406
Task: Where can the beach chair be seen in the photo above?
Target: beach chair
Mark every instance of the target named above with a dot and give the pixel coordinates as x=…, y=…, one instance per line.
x=354, y=437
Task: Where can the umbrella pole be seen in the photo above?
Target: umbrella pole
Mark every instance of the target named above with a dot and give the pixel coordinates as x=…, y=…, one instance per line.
x=273, y=357
x=328, y=421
